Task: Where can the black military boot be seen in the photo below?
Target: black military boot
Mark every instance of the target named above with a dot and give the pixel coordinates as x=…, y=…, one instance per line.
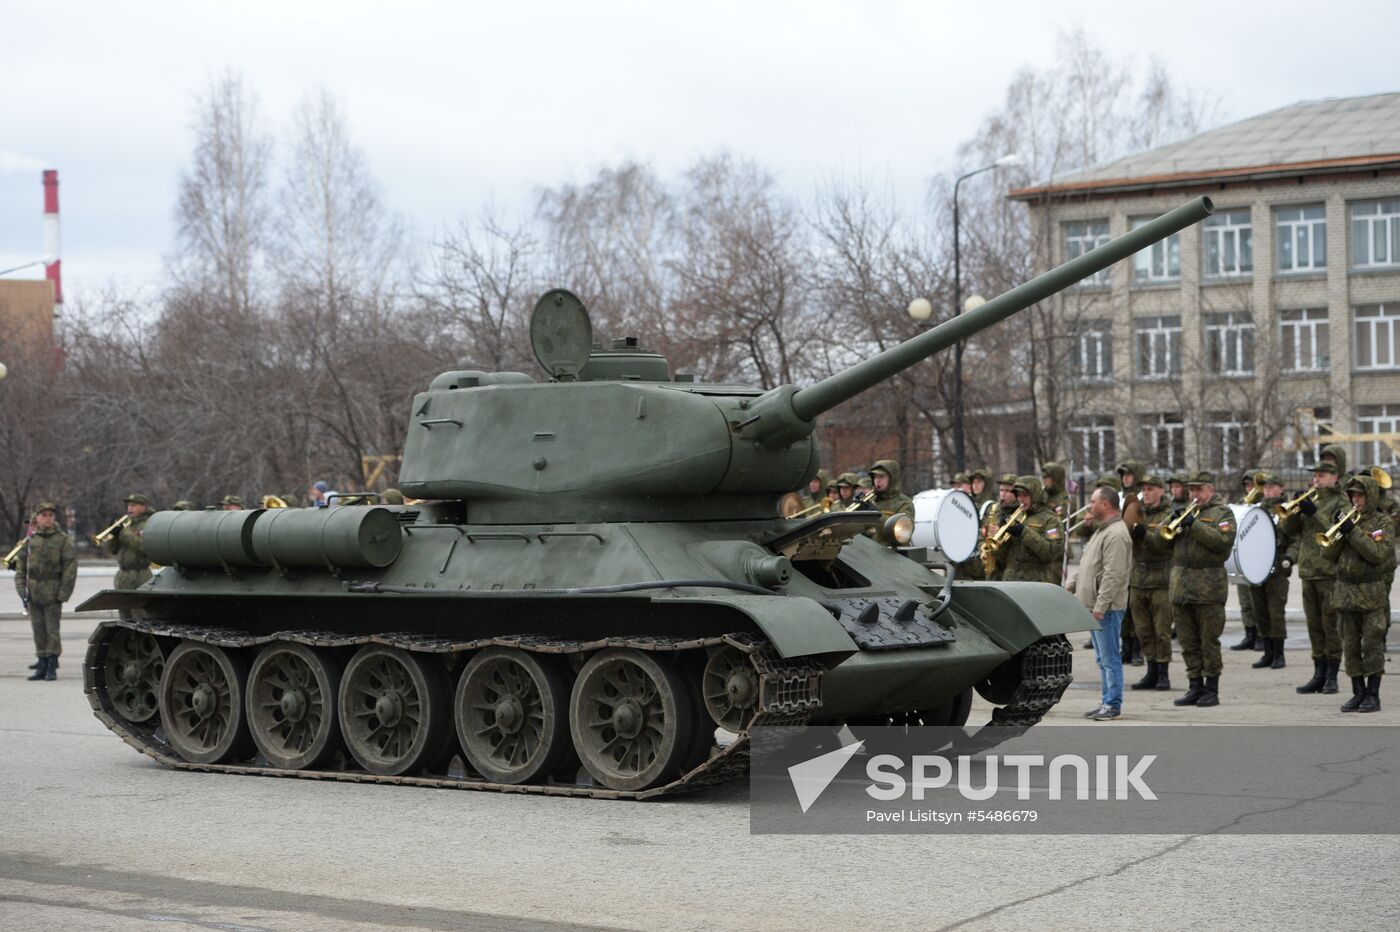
x=1319, y=676
x=1330, y=669
x=38, y=662
x=1246, y=643
x=51, y=671
x=1371, y=702
x=43, y=670
x=1193, y=693
x=1149, y=680
x=1137, y=652
x=1210, y=693
x=1278, y=663
x=1268, y=657
x=1164, y=680
x=1358, y=692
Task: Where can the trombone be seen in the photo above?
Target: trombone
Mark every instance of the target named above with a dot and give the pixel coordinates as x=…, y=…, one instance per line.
x=822, y=505
x=1333, y=534
x=13, y=555
x=1173, y=527
x=112, y=530
x=1070, y=525
x=993, y=543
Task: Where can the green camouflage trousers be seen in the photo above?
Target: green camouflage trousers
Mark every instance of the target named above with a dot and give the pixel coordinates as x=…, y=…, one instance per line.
x=1246, y=605
x=1198, y=628
x=1152, y=619
x=1270, y=602
x=1363, y=640
x=1322, y=620
x=43, y=618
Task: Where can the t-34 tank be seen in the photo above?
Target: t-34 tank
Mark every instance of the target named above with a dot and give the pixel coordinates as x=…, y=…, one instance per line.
x=592, y=590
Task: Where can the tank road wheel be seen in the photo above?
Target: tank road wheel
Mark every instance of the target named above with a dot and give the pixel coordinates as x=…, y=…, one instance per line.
x=731, y=689
x=201, y=704
x=133, y=668
x=394, y=711
x=292, y=699
x=512, y=711
x=631, y=718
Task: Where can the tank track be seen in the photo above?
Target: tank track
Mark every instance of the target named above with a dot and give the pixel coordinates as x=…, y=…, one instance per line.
x=789, y=696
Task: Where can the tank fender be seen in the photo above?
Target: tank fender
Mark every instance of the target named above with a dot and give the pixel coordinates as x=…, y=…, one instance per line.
x=1017, y=614
x=798, y=627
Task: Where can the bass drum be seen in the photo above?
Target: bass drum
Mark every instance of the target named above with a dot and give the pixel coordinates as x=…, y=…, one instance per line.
x=945, y=522
x=1254, y=552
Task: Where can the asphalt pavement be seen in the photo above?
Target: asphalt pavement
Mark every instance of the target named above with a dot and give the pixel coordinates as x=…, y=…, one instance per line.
x=96, y=836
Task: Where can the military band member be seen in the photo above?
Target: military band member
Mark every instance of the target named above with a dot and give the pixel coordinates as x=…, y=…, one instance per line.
x=1036, y=545
x=889, y=500
x=45, y=570
x=1364, y=555
x=816, y=489
x=962, y=482
x=1148, y=585
x=1317, y=574
x=184, y=505
x=846, y=485
x=1198, y=587
x=1176, y=485
x=1270, y=598
x=982, y=495
x=231, y=503
x=1130, y=474
x=1052, y=478
x=1252, y=639
x=995, y=517
x=133, y=566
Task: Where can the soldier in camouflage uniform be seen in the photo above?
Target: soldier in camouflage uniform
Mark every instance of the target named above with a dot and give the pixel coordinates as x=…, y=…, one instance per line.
x=991, y=519
x=1198, y=588
x=1148, y=592
x=1052, y=477
x=846, y=485
x=982, y=494
x=1336, y=454
x=889, y=499
x=1037, y=544
x=1317, y=574
x=184, y=505
x=963, y=483
x=815, y=491
x=1271, y=596
x=45, y=570
x=1176, y=485
x=133, y=566
x=1252, y=640
x=231, y=503
x=1364, y=554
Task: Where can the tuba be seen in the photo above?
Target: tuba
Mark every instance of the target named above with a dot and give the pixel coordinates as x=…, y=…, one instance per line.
x=273, y=501
x=112, y=530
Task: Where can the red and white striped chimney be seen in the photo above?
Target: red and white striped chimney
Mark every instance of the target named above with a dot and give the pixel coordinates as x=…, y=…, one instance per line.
x=51, y=244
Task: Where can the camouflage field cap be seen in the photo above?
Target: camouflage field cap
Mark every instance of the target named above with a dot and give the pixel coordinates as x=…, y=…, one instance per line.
x=1025, y=484
x=46, y=506
x=1328, y=467
x=231, y=500
x=392, y=497
x=136, y=498
x=1178, y=477
x=184, y=505
x=1006, y=478
x=1108, y=482
x=848, y=478
x=960, y=478
x=866, y=482
x=1204, y=477
x=979, y=473
x=878, y=468
x=1269, y=478
x=1152, y=480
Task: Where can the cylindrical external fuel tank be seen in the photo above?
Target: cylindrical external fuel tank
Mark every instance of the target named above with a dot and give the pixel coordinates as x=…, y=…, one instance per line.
x=338, y=536
x=201, y=538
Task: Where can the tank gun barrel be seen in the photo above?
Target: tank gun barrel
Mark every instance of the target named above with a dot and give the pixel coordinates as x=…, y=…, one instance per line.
x=807, y=403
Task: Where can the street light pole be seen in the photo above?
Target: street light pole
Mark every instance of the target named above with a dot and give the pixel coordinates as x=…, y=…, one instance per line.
x=959, y=438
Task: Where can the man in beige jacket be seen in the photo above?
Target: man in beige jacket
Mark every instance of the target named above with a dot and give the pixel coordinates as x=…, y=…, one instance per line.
x=1102, y=586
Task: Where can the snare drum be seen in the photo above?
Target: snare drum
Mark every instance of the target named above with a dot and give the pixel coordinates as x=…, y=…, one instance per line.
x=1253, y=555
x=945, y=522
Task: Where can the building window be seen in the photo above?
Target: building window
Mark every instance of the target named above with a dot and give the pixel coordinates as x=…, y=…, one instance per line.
x=1160, y=262
x=1091, y=356
x=1227, y=436
x=1375, y=234
x=1230, y=343
x=1303, y=340
x=1229, y=242
x=1302, y=239
x=1164, y=436
x=1379, y=419
x=1308, y=435
x=1377, y=336
x=1158, y=347
x=1091, y=444
x=1080, y=237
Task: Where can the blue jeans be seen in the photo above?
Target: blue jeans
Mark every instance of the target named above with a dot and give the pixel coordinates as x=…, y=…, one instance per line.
x=1108, y=652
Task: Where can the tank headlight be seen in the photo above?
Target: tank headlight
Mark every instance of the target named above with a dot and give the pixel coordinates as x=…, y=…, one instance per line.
x=900, y=528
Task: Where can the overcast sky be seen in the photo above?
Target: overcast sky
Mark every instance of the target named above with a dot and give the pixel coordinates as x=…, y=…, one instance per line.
x=457, y=104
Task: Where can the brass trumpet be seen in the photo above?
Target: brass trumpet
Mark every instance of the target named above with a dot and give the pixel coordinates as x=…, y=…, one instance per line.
x=1333, y=534
x=112, y=530
x=1172, y=528
x=1290, y=508
x=13, y=555
x=822, y=505
x=993, y=543
x=864, y=498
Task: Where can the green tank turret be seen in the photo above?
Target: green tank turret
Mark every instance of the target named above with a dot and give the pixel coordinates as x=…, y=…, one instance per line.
x=587, y=591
